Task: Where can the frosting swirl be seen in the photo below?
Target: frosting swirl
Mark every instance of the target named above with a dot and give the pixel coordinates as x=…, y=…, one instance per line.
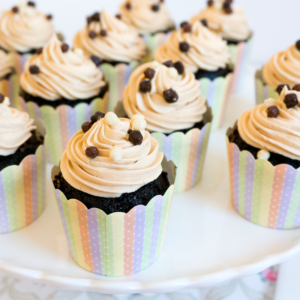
x=25, y=29
x=207, y=49
x=283, y=68
x=231, y=26
x=160, y=115
x=144, y=17
x=280, y=135
x=121, y=43
x=102, y=176
x=69, y=75
x=6, y=64
x=15, y=128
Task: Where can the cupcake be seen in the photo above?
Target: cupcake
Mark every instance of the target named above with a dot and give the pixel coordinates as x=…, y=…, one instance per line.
x=175, y=112
x=150, y=18
x=63, y=87
x=231, y=23
x=23, y=30
x=22, y=168
x=264, y=160
x=113, y=46
x=283, y=68
x=113, y=175
x=205, y=54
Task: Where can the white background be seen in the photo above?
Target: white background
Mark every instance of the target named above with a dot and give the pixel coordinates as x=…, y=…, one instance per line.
x=275, y=22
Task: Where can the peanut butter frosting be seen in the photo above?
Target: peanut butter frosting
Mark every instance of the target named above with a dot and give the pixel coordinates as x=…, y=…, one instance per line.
x=112, y=40
x=6, y=64
x=103, y=176
x=24, y=28
x=232, y=26
x=15, y=128
x=188, y=105
x=278, y=134
x=207, y=50
x=61, y=73
x=146, y=16
x=283, y=68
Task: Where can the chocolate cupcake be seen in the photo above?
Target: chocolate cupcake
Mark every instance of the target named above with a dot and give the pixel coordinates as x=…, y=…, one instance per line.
x=175, y=111
x=113, y=46
x=264, y=159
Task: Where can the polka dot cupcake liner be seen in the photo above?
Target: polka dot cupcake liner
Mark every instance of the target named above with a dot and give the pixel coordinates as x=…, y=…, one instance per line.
x=23, y=190
x=118, y=244
x=261, y=193
x=187, y=151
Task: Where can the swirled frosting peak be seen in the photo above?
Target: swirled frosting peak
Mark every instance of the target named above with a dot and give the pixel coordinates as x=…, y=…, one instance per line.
x=207, y=50
x=110, y=39
x=6, y=64
x=146, y=16
x=230, y=24
x=15, y=128
x=274, y=126
x=104, y=162
x=23, y=28
x=283, y=68
x=59, y=73
x=169, y=98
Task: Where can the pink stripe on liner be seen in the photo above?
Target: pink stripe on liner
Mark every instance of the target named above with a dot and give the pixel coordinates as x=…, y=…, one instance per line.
x=236, y=175
x=129, y=225
x=250, y=167
x=34, y=185
x=64, y=126
x=4, y=223
x=139, y=237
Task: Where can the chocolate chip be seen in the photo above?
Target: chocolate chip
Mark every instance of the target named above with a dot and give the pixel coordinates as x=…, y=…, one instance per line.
x=210, y=2
x=91, y=152
x=204, y=22
x=184, y=47
x=298, y=45
x=291, y=100
x=145, y=86
x=64, y=48
x=149, y=73
x=135, y=137
x=15, y=9
x=296, y=87
x=119, y=16
x=128, y=6
x=2, y=98
x=273, y=111
x=186, y=27
x=49, y=17
x=170, y=96
x=155, y=7
x=226, y=5
x=280, y=88
x=34, y=69
x=97, y=116
x=95, y=17
x=103, y=32
x=129, y=131
x=92, y=34
x=168, y=63
x=89, y=20
x=86, y=126
x=39, y=51
x=96, y=60
x=30, y=3
x=179, y=67
x=228, y=10
x=100, y=114
x=183, y=24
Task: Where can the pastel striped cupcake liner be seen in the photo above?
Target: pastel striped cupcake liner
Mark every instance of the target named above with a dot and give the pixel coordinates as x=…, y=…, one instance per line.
x=23, y=191
x=217, y=92
x=19, y=61
x=62, y=123
x=118, y=244
x=262, y=90
x=10, y=88
x=261, y=193
x=187, y=151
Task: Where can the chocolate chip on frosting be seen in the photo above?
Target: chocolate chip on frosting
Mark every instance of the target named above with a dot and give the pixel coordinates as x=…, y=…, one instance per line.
x=135, y=137
x=296, y=87
x=298, y=45
x=129, y=131
x=96, y=17
x=291, y=100
x=149, y=73
x=145, y=86
x=118, y=16
x=86, y=126
x=49, y=17
x=91, y=152
x=2, y=98
x=128, y=6
x=155, y=7
x=103, y=32
x=39, y=51
x=92, y=34
x=96, y=60
x=184, y=47
x=186, y=27
x=280, y=88
x=179, y=67
x=64, y=48
x=273, y=111
x=168, y=63
x=34, y=69
x=15, y=9
x=210, y=3
x=170, y=96
x=97, y=116
x=31, y=3
x=204, y=22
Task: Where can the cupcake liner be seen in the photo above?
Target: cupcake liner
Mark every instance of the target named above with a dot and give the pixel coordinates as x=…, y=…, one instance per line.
x=262, y=90
x=62, y=123
x=217, y=92
x=187, y=151
x=10, y=88
x=261, y=193
x=118, y=244
x=240, y=55
x=23, y=190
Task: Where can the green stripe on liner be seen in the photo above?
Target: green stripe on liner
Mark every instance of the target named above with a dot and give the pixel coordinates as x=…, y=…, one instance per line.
x=242, y=182
x=101, y=218
x=80, y=115
x=259, y=91
x=159, y=138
